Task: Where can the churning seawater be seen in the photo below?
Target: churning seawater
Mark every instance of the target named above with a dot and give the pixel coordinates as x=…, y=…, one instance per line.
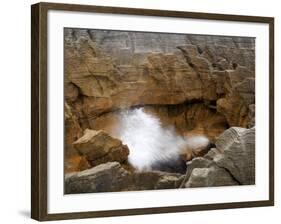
x=149, y=142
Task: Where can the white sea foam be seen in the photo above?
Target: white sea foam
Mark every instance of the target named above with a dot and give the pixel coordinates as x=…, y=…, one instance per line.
x=148, y=141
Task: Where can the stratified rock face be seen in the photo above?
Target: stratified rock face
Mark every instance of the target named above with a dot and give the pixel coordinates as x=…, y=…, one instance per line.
x=238, y=153
x=210, y=177
x=99, y=147
x=197, y=84
x=202, y=172
x=209, y=80
x=231, y=163
x=110, y=177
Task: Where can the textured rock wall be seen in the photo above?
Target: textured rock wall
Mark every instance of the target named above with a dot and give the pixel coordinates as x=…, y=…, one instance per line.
x=199, y=84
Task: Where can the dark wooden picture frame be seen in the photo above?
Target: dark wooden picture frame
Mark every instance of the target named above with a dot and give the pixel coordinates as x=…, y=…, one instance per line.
x=39, y=110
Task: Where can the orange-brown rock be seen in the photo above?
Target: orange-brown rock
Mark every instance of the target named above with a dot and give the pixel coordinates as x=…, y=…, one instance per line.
x=99, y=147
x=239, y=93
x=76, y=163
x=73, y=130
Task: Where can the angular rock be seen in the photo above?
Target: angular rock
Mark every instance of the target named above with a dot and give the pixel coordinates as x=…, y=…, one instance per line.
x=210, y=177
x=99, y=147
x=195, y=163
x=111, y=177
x=199, y=162
x=102, y=178
x=203, y=172
x=231, y=163
x=237, y=147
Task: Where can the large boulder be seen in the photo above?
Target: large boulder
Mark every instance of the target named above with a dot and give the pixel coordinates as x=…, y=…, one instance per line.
x=237, y=147
x=210, y=177
x=232, y=162
x=99, y=147
x=102, y=178
x=202, y=172
x=111, y=176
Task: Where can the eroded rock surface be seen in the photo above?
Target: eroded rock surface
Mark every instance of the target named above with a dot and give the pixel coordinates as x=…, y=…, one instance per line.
x=99, y=147
x=200, y=85
x=202, y=172
x=110, y=177
x=202, y=80
x=238, y=153
x=232, y=162
x=210, y=177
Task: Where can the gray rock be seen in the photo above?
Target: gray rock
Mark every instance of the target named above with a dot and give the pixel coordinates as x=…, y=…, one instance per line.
x=246, y=89
x=210, y=177
x=231, y=163
x=211, y=154
x=203, y=172
x=198, y=162
x=102, y=178
x=111, y=177
x=238, y=153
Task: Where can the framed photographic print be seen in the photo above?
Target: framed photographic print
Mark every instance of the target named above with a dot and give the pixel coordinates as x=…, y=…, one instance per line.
x=140, y=111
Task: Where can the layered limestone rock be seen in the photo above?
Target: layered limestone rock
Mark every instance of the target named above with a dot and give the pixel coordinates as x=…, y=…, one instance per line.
x=198, y=84
x=109, y=70
x=202, y=172
x=99, y=147
x=110, y=177
x=232, y=162
x=237, y=147
x=239, y=90
x=210, y=177
x=73, y=160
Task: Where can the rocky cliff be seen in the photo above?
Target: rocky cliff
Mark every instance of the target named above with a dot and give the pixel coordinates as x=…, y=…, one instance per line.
x=198, y=84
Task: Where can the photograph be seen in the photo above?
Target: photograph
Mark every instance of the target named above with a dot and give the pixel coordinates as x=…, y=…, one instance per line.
x=155, y=110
